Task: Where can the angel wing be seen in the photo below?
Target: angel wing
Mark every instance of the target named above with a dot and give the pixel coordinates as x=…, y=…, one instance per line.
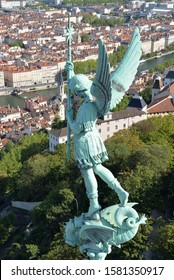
x=124, y=74
x=101, y=87
x=108, y=89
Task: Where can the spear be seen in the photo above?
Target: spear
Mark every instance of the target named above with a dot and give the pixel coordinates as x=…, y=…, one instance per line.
x=69, y=38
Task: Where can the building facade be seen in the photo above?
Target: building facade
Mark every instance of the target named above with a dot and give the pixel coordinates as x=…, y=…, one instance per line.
x=2, y=81
x=112, y=123
x=12, y=4
x=30, y=76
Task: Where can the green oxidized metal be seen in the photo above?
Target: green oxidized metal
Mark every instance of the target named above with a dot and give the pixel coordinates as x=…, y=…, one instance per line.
x=95, y=231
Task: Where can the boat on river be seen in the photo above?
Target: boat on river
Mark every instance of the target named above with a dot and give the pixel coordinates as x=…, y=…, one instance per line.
x=142, y=61
x=16, y=93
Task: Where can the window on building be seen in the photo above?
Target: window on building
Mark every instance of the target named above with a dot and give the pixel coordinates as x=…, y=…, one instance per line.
x=108, y=128
x=124, y=125
x=99, y=130
x=116, y=127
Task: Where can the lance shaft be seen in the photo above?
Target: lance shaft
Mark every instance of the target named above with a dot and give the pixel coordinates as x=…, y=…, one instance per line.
x=69, y=34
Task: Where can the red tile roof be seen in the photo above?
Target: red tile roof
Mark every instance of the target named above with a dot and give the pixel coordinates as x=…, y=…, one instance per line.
x=5, y=141
x=161, y=105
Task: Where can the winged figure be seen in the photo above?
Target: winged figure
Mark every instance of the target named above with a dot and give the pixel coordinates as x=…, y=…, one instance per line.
x=100, y=96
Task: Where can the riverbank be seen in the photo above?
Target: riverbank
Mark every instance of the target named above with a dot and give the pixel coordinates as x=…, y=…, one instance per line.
x=8, y=90
x=18, y=100
x=5, y=91
x=49, y=92
x=156, y=56
x=151, y=63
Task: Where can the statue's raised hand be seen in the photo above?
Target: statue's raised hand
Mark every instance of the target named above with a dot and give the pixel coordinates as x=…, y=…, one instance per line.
x=69, y=66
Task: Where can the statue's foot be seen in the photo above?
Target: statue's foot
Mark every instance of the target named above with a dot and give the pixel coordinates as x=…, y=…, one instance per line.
x=93, y=212
x=123, y=196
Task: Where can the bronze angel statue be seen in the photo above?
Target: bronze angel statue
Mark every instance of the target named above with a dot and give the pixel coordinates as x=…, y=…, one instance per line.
x=100, y=96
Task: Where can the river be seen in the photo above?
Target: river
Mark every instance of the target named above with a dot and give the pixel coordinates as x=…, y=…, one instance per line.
x=14, y=101
x=151, y=63
x=19, y=100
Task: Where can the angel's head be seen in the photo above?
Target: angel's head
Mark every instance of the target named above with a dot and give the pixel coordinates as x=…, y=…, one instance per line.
x=81, y=86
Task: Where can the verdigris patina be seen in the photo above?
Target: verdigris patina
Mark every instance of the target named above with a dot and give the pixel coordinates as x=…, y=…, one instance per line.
x=95, y=231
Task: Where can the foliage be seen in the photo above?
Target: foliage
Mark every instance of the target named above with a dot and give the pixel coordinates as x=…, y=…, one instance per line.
x=147, y=161
x=6, y=227
x=162, y=66
x=85, y=67
x=95, y=21
x=89, y=2
x=32, y=251
x=123, y=104
x=59, y=250
x=3, y=180
x=58, y=123
x=163, y=243
x=140, y=157
x=15, y=155
x=85, y=37
x=36, y=5
x=90, y=66
x=116, y=57
x=146, y=94
x=17, y=44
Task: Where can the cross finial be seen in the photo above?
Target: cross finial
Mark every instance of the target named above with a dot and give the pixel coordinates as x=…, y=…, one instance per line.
x=70, y=32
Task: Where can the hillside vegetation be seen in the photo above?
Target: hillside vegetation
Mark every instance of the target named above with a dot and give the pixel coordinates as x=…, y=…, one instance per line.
x=140, y=157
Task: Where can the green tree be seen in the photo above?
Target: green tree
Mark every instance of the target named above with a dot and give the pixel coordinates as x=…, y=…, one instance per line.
x=163, y=244
x=147, y=94
x=123, y=104
x=32, y=144
x=32, y=251
x=36, y=177
x=58, y=123
x=85, y=37
x=3, y=183
x=6, y=227
x=59, y=250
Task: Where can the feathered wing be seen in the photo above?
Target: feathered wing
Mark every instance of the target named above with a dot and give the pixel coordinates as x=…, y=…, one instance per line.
x=101, y=87
x=124, y=74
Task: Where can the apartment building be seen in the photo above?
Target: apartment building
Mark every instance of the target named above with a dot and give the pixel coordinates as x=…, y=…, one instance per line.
x=12, y=4
x=35, y=104
x=30, y=76
x=2, y=82
x=9, y=114
x=56, y=137
x=157, y=43
x=146, y=46
x=116, y=121
x=112, y=122
x=169, y=78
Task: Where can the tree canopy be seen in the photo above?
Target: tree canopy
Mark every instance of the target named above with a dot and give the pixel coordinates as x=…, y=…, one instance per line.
x=140, y=157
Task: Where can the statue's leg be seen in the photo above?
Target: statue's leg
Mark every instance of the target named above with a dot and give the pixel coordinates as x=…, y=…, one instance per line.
x=91, y=190
x=107, y=176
